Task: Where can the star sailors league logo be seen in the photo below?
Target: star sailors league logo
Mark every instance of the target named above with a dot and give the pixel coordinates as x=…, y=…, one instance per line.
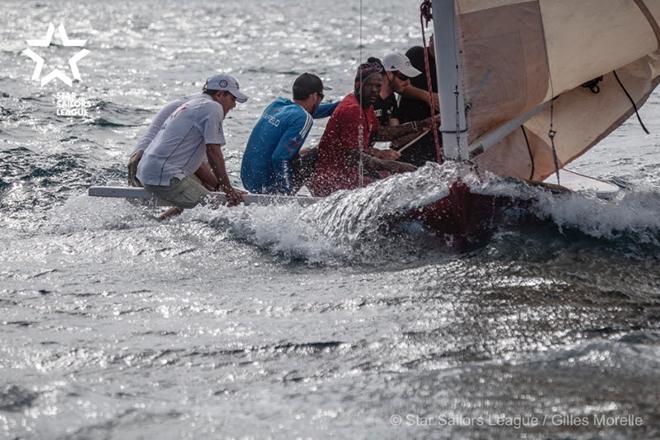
x=57, y=73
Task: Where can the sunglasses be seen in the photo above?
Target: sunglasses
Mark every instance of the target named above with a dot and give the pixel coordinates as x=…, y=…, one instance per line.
x=320, y=95
x=401, y=76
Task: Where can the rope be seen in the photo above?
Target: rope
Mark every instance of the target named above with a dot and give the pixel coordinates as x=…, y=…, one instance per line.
x=551, y=134
x=593, y=85
x=361, y=125
x=589, y=177
x=632, y=101
x=426, y=15
x=529, y=150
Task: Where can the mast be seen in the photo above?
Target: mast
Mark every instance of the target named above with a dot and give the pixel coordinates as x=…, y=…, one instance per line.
x=450, y=85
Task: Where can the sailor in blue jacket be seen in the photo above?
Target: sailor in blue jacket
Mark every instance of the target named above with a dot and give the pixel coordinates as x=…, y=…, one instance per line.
x=272, y=163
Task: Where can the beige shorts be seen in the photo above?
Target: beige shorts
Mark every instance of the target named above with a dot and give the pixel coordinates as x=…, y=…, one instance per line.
x=186, y=193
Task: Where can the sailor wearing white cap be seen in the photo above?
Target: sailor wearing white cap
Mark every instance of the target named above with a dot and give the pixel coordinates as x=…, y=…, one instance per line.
x=225, y=83
x=398, y=62
x=397, y=75
x=396, y=78
x=191, y=133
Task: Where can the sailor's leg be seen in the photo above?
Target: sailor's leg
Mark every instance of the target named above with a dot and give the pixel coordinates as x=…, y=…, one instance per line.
x=170, y=212
x=183, y=194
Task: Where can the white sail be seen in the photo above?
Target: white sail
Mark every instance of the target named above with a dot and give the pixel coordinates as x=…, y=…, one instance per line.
x=514, y=56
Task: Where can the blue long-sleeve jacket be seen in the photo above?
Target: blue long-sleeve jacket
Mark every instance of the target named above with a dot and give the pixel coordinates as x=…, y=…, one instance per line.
x=274, y=142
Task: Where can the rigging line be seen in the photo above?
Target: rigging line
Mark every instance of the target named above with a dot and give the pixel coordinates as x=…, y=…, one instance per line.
x=588, y=177
x=361, y=123
x=426, y=14
x=551, y=134
x=458, y=116
x=632, y=102
x=529, y=150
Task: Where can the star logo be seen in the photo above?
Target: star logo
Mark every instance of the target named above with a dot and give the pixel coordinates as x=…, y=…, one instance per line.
x=57, y=73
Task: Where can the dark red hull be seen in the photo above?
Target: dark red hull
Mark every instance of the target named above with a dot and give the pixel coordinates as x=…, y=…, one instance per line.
x=466, y=219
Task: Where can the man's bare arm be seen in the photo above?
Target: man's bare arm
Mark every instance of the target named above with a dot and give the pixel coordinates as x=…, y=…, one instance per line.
x=205, y=174
x=421, y=95
x=375, y=164
x=404, y=140
x=414, y=128
x=132, y=168
x=217, y=163
x=389, y=133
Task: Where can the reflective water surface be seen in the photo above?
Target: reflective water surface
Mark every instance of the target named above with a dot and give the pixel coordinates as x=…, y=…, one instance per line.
x=288, y=322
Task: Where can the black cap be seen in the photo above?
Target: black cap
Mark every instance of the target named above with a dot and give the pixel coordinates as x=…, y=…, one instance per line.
x=306, y=84
x=367, y=69
x=375, y=60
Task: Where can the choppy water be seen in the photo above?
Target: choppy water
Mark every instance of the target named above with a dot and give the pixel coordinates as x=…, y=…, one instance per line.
x=286, y=322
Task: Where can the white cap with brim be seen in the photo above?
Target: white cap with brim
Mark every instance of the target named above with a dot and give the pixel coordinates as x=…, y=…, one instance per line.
x=227, y=83
x=399, y=62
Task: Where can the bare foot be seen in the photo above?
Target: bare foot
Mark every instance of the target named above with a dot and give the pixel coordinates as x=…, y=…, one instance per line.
x=169, y=213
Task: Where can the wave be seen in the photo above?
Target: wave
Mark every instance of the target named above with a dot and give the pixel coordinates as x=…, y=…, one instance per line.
x=362, y=220
x=369, y=225
x=276, y=229
x=14, y=398
x=23, y=166
x=634, y=214
x=114, y=115
x=105, y=122
x=351, y=216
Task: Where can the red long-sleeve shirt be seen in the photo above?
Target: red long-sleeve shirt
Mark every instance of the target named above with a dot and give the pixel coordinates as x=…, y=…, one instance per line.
x=336, y=167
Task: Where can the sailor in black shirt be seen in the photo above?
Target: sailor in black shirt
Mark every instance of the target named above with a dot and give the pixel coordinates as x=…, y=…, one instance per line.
x=415, y=105
x=398, y=72
x=386, y=109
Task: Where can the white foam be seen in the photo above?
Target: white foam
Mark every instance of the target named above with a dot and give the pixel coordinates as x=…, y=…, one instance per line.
x=634, y=212
x=80, y=212
x=337, y=226
x=276, y=228
x=350, y=216
x=340, y=226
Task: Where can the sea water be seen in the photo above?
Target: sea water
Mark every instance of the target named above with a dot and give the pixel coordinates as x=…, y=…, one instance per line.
x=289, y=322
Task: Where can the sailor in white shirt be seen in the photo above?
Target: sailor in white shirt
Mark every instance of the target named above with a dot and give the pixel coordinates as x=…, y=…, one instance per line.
x=191, y=132
x=152, y=131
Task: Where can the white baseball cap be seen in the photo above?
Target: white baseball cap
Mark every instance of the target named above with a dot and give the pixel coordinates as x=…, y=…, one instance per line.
x=399, y=62
x=227, y=83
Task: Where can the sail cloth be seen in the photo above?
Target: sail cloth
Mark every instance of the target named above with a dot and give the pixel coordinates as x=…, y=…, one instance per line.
x=516, y=55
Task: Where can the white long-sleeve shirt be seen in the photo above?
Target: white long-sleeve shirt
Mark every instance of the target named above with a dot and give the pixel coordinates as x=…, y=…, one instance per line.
x=159, y=120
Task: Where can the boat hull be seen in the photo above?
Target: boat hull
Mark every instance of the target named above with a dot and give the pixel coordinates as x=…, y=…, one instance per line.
x=465, y=219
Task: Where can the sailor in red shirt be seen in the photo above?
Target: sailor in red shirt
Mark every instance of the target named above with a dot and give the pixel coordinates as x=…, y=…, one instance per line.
x=337, y=166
